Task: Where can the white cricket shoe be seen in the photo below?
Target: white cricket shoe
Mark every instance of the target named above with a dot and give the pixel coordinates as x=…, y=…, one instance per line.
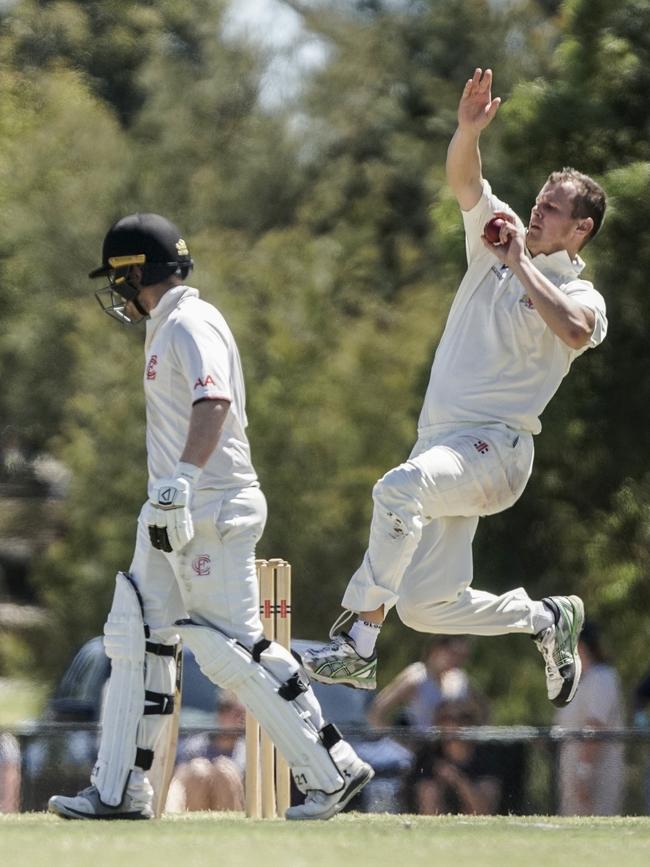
x=87, y=805
x=558, y=645
x=339, y=662
x=320, y=805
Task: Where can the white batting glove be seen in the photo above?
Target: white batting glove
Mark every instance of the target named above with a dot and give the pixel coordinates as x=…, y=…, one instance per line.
x=168, y=516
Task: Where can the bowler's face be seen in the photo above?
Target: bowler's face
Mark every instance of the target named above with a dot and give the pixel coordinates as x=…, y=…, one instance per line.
x=551, y=226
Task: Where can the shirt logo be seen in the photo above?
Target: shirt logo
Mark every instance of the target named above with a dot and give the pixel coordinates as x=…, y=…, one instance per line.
x=151, y=367
x=203, y=383
x=201, y=564
x=500, y=271
x=481, y=447
x=526, y=301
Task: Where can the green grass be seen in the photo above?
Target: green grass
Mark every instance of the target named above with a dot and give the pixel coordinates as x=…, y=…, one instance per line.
x=351, y=840
x=20, y=700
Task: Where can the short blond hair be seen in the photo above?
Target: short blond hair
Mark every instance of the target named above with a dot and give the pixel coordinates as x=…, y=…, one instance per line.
x=590, y=200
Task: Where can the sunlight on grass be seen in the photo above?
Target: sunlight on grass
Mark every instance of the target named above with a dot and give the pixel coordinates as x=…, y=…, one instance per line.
x=196, y=840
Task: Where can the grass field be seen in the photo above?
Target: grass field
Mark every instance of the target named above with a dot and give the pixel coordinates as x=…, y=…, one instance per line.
x=350, y=840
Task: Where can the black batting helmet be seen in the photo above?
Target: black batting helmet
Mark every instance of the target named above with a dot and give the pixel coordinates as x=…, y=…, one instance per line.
x=147, y=240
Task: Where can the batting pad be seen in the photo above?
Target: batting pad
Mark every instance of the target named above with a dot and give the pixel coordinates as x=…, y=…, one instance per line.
x=124, y=642
x=283, y=666
x=231, y=666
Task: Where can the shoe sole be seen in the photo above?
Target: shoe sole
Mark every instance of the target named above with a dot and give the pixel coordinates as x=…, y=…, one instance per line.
x=69, y=813
x=344, y=681
x=578, y=621
x=353, y=789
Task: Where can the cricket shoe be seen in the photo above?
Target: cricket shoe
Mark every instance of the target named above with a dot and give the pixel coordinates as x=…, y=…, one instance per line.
x=320, y=805
x=558, y=644
x=339, y=662
x=87, y=805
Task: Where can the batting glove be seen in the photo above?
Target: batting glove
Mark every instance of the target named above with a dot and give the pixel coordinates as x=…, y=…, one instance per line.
x=169, y=517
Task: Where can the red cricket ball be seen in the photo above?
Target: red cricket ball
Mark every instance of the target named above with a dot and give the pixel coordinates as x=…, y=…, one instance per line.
x=492, y=229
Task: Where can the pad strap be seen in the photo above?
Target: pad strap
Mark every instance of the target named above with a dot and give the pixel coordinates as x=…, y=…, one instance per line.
x=292, y=688
x=330, y=735
x=158, y=703
x=161, y=649
x=259, y=648
x=143, y=759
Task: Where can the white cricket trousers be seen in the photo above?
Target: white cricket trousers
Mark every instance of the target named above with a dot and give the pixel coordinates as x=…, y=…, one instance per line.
x=425, y=515
x=212, y=579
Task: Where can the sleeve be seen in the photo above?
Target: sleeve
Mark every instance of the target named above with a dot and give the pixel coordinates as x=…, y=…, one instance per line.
x=584, y=292
x=203, y=356
x=475, y=220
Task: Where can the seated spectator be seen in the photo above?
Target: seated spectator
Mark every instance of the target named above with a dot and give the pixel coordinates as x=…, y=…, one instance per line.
x=210, y=765
x=9, y=773
x=413, y=696
x=591, y=772
x=453, y=775
x=390, y=761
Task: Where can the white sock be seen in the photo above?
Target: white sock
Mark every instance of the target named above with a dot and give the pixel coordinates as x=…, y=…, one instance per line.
x=542, y=617
x=139, y=787
x=364, y=635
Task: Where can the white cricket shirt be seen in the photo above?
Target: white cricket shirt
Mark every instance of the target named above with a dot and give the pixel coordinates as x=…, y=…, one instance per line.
x=497, y=360
x=191, y=354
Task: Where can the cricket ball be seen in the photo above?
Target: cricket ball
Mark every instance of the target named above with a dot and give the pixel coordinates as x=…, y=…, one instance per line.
x=492, y=229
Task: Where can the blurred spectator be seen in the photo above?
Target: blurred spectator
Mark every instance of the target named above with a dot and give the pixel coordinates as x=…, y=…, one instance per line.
x=210, y=765
x=9, y=773
x=413, y=696
x=13, y=460
x=390, y=760
x=57, y=756
x=453, y=775
x=591, y=772
x=642, y=721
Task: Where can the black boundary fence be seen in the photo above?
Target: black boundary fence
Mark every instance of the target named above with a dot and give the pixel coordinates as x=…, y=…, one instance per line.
x=58, y=757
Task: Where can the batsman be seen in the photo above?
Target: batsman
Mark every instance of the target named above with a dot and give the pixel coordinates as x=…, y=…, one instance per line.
x=521, y=316
x=192, y=579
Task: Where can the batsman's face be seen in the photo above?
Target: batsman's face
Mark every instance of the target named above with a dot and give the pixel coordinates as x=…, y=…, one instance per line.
x=126, y=282
x=551, y=226
x=132, y=312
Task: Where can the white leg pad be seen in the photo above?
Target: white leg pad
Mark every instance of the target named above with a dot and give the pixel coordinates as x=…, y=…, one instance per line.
x=289, y=726
x=124, y=642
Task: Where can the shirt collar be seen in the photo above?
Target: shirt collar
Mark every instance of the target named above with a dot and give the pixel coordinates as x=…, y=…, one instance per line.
x=171, y=299
x=558, y=264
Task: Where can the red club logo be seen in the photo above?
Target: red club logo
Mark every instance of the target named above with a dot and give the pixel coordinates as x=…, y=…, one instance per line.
x=204, y=383
x=151, y=367
x=201, y=564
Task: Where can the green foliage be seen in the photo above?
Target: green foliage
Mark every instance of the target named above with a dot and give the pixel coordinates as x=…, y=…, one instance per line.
x=53, y=198
x=20, y=699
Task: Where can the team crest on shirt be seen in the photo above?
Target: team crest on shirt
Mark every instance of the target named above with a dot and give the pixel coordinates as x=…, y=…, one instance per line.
x=481, y=447
x=151, y=367
x=526, y=301
x=201, y=564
